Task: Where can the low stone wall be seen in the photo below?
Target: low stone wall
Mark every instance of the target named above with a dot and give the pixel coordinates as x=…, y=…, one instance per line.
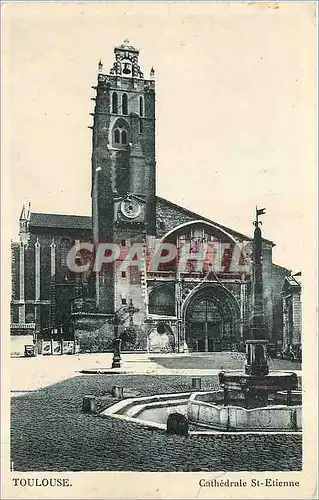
x=235, y=418
x=144, y=410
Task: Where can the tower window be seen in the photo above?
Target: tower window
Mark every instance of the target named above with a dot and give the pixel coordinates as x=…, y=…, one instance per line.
x=123, y=243
x=141, y=106
x=124, y=104
x=123, y=274
x=124, y=137
x=141, y=126
x=120, y=134
x=115, y=103
x=117, y=136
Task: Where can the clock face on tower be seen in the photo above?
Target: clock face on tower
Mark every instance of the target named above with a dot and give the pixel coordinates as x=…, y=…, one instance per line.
x=130, y=208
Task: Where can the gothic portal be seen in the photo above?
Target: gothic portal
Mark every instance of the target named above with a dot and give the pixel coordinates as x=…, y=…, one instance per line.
x=212, y=319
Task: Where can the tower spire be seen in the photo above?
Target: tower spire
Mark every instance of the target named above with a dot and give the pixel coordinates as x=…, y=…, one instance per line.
x=126, y=61
x=24, y=224
x=22, y=215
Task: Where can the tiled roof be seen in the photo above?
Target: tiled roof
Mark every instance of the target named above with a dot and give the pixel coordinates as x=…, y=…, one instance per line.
x=60, y=221
x=292, y=281
x=292, y=284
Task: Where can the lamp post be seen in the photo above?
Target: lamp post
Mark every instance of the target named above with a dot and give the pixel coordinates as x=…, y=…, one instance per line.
x=116, y=363
x=118, y=320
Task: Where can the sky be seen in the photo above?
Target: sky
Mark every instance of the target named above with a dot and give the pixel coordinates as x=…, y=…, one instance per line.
x=235, y=108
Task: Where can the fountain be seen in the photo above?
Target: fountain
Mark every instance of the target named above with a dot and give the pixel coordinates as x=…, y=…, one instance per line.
x=252, y=399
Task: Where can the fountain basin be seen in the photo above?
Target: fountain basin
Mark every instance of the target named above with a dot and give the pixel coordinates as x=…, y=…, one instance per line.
x=150, y=411
x=273, y=382
x=207, y=409
x=206, y=412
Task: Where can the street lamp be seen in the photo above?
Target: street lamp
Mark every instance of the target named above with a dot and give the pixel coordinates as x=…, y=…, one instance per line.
x=117, y=320
x=116, y=363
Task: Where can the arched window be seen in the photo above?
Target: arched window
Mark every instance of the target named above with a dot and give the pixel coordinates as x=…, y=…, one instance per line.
x=115, y=102
x=120, y=134
x=117, y=136
x=124, y=104
x=141, y=106
x=124, y=137
x=162, y=301
x=141, y=126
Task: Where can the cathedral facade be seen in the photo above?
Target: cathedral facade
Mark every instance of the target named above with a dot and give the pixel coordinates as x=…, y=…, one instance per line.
x=195, y=301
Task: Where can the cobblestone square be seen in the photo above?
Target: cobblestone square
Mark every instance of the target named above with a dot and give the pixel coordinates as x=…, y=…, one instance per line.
x=49, y=432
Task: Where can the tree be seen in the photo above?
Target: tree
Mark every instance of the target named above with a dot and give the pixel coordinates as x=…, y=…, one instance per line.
x=128, y=338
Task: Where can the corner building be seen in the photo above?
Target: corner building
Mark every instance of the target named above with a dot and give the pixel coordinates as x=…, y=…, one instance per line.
x=196, y=309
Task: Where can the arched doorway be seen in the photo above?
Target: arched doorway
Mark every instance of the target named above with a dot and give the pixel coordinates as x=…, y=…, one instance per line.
x=211, y=320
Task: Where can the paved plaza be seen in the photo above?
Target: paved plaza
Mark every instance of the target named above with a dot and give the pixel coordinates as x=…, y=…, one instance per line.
x=50, y=432
x=42, y=371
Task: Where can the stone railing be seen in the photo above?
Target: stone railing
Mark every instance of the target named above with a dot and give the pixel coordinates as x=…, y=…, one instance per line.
x=22, y=326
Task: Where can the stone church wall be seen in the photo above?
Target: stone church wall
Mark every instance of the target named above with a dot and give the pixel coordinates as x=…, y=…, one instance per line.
x=169, y=216
x=297, y=325
x=278, y=275
x=15, y=264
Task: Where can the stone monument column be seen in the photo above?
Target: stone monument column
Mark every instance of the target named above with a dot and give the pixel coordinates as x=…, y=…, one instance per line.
x=256, y=346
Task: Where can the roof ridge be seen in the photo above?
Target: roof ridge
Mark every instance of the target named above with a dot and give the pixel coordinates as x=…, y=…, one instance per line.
x=67, y=221
x=60, y=215
x=160, y=198
x=221, y=226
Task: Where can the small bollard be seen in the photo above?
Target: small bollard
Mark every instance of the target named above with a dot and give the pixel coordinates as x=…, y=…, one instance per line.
x=117, y=392
x=196, y=383
x=177, y=424
x=88, y=405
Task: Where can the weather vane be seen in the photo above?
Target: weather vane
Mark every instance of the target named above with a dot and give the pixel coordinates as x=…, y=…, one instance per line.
x=259, y=211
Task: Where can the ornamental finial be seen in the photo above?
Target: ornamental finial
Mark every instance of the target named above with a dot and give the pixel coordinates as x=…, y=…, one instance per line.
x=259, y=211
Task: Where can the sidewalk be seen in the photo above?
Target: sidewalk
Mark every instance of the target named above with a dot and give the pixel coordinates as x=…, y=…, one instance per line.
x=29, y=374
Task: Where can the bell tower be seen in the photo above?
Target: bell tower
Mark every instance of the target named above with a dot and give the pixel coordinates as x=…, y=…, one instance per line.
x=123, y=158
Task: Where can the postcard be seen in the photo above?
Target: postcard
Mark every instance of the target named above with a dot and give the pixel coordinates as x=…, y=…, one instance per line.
x=159, y=232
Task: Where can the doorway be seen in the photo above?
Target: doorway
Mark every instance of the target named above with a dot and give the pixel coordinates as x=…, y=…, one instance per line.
x=211, y=320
